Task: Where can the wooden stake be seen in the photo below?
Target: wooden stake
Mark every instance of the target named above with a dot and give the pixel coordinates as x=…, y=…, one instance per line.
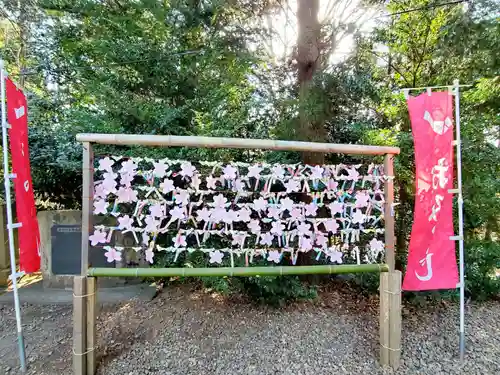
x=395, y=318
x=390, y=257
x=79, y=326
x=384, y=319
x=91, y=324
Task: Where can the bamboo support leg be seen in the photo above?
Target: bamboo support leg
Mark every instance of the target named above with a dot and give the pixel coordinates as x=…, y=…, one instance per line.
x=91, y=324
x=395, y=318
x=79, y=325
x=384, y=319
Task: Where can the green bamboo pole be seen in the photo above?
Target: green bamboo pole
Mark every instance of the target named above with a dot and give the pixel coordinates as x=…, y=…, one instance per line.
x=237, y=271
x=215, y=142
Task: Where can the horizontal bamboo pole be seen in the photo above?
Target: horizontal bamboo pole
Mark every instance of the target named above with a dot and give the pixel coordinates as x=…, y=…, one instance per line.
x=237, y=271
x=214, y=142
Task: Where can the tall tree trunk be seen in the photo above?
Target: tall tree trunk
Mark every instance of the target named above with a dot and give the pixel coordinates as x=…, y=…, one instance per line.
x=308, y=57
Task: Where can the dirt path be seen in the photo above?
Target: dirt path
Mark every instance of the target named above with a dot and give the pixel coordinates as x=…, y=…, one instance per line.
x=191, y=332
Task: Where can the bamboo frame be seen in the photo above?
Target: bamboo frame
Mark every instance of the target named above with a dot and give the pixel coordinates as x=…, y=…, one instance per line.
x=237, y=271
x=390, y=256
x=214, y=142
x=85, y=307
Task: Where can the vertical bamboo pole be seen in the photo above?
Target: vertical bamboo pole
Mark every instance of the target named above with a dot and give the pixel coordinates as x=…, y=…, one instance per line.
x=91, y=324
x=87, y=203
x=80, y=349
x=394, y=296
x=79, y=325
x=390, y=256
x=384, y=319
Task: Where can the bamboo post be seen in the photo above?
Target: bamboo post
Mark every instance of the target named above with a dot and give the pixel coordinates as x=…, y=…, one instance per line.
x=394, y=295
x=237, y=271
x=384, y=319
x=79, y=325
x=80, y=349
x=390, y=256
x=91, y=324
x=216, y=142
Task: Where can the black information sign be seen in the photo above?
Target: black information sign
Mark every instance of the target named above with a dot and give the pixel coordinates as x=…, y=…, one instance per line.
x=66, y=251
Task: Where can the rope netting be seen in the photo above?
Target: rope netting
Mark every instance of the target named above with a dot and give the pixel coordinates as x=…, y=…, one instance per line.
x=239, y=211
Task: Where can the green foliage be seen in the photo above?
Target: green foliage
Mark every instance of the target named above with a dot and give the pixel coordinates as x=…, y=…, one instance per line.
x=482, y=267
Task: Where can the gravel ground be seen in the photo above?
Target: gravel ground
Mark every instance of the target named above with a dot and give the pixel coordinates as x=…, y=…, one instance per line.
x=186, y=331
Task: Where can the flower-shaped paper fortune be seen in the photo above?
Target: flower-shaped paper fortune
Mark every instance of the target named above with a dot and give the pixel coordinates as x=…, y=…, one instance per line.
x=126, y=179
x=362, y=199
x=167, y=186
x=274, y=256
x=259, y=204
x=331, y=225
x=358, y=217
x=230, y=217
x=187, y=169
x=177, y=213
x=98, y=237
x=311, y=209
x=335, y=256
x=220, y=201
x=274, y=212
x=181, y=197
x=106, y=164
x=109, y=176
x=238, y=239
x=305, y=244
x=316, y=173
x=211, y=182
x=157, y=210
x=304, y=229
x=128, y=167
x=160, y=169
x=218, y=215
x=254, y=171
x=244, y=215
x=239, y=186
x=336, y=208
x=151, y=224
x=100, y=192
x=203, y=214
x=277, y=227
x=109, y=186
x=353, y=174
x=254, y=226
x=278, y=172
x=376, y=246
x=286, y=204
x=125, y=222
x=321, y=240
x=149, y=255
x=112, y=254
x=332, y=185
x=195, y=182
x=267, y=239
x=100, y=207
x=229, y=172
x=216, y=257
x=179, y=241
x=292, y=186
x=126, y=195
x=296, y=214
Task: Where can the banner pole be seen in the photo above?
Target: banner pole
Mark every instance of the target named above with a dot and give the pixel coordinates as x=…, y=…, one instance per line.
x=10, y=226
x=460, y=220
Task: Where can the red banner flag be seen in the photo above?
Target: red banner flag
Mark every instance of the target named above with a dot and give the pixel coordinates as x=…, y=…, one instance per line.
x=431, y=256
x=29, y=235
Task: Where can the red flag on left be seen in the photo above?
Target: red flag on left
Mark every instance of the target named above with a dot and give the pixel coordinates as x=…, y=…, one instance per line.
x=28, y=233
